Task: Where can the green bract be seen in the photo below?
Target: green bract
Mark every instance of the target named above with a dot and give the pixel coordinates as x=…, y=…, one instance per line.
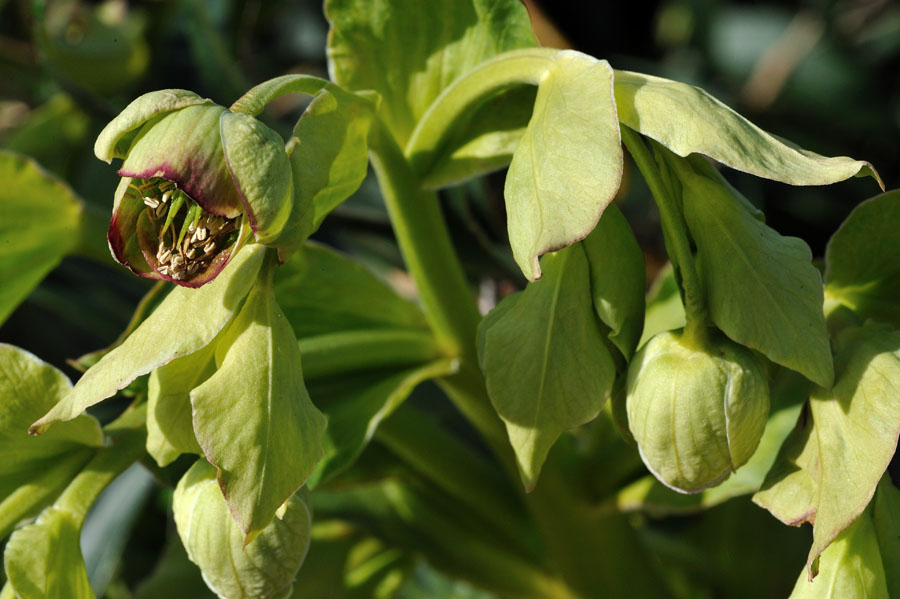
x=697, y=413
x=192, y=171
x=262, y=569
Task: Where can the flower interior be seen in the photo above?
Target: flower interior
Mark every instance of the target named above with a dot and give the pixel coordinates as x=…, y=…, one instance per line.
x=188, y=239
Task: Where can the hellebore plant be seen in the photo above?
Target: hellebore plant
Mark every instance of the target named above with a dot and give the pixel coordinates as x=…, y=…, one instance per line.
x=751, y=377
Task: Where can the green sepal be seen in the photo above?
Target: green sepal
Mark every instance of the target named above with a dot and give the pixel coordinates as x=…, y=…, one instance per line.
x=116, y=137
x=260, y=170
x=264, y=568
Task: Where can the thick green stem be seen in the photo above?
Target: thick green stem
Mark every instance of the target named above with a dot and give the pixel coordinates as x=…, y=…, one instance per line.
x=676, y=234
x=128, y=435
x=466, y=94
x=254, y=101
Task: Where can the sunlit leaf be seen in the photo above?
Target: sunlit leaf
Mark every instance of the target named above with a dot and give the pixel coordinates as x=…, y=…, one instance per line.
x=262, y=569
x=253, y=417
x=686, y=119
x=568, y=165
x=546, y=364
x=762, y=289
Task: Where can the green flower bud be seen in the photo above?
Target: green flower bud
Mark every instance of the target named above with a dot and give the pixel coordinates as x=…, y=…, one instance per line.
x=697, y=413
x=197, y=179
x=263, y=569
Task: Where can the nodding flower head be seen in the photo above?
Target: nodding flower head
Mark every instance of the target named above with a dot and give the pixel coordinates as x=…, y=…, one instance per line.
x=197, y=182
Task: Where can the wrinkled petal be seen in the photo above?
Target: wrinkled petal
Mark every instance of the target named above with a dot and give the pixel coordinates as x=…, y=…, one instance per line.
x=123, y=243
x=115, y=138
x=261, y=172
x=185, y=147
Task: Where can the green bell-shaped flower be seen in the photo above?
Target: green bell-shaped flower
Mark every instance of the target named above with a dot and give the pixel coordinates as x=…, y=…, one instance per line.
x=697, y=413
x=197, y=178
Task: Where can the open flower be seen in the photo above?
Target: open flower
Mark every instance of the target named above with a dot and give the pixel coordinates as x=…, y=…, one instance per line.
x=197, y=179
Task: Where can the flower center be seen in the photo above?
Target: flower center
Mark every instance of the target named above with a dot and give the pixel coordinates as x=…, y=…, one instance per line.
x=188, y=238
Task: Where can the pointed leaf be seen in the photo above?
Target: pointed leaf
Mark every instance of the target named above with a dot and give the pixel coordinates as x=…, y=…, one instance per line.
x=40, y=219
x=856, y=426
x=253, y=417
x=43, y=560
x=850, y=568
x=859, y=272
x=186, y=320
x=545, y=361
x=264, y=568
x=762, y=289
x=170, y=429
x=568, y=165
x=618, y=279
x=410, y=56
x=686, y=119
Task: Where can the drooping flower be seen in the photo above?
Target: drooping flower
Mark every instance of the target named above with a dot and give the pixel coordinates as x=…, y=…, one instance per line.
x=197, y=181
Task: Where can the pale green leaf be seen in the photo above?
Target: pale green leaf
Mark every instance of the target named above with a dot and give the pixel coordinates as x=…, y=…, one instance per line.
x=762, y=289
x=186, y=320
x=262, y=569
x=686, y=119
x=856, y=425
x=545, y=361
x=260, y=170
x=568, y=165
x=43, y=560
x=322, y=291
x=850, y=568
x=618, y=279
x=790, y=490
x=40, y=219
x=331, y=157
x=253, y=417
x=34, y=470
x=861, y=272
x=170, y=429
x=399, y=49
